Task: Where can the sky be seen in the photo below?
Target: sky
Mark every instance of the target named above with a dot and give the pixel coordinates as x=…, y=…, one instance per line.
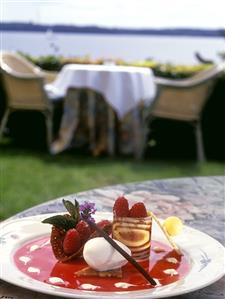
x=118, y=13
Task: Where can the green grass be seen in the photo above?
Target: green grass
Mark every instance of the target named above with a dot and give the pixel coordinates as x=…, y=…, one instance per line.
x=29, y=177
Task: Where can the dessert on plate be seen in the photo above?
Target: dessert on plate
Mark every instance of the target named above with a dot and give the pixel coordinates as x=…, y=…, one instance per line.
x=132, y=227
x=117, y=255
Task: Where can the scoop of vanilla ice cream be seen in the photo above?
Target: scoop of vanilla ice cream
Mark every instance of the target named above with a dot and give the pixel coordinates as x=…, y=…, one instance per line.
x=101, y=256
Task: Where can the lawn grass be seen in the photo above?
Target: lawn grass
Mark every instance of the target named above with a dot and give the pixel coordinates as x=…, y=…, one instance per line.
x=30, y=177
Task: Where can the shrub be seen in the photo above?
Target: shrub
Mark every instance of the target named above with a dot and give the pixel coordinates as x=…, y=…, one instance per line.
x=55, y=63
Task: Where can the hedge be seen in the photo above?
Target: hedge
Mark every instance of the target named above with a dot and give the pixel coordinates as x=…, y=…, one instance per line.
x=55, y=63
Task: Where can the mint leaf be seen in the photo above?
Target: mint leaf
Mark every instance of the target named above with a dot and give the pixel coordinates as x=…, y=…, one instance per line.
x=73, y=209
x=61, y=221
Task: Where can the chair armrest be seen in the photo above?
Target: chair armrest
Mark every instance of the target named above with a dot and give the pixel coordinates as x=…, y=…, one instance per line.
x=6, y=70
x=198, y=79
x=163, y=82
x=27, y=76
x=182, y=83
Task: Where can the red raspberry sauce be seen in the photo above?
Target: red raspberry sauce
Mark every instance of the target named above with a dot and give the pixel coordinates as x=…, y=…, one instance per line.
x=43, y=266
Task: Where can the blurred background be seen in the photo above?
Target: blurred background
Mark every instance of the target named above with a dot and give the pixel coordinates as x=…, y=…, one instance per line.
x=175, y=40
x=128, y=30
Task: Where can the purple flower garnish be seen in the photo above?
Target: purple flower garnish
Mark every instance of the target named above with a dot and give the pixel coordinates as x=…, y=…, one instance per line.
x=87, y=209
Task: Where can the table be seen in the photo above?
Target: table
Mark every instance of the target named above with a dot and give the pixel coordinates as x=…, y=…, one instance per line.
x=124, y=88
x=199, y=201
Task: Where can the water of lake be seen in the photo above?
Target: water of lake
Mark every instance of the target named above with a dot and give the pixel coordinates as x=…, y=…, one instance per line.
x=180, y=50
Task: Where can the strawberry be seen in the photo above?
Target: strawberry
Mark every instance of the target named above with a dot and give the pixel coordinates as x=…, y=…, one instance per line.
x=121, y=207
x=61, y=224
x=138, y=210
x=71, y=242
x=57, y=237
x=83, y=230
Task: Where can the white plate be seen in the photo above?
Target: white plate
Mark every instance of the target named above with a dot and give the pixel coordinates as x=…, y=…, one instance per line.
x=205, y=253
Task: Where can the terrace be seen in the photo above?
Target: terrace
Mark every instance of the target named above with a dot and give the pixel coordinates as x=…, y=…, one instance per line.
x=114, y=113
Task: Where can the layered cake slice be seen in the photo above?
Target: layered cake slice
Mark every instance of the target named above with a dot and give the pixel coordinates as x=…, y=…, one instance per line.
x=132, y=227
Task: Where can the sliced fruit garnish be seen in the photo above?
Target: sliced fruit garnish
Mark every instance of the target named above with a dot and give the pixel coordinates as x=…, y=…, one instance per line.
x=57, y=240
x=173, y=225
x=57, y=237
x=172, y=243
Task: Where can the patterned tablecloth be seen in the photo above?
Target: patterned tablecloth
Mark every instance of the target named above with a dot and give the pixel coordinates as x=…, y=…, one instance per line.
x=125, y=90
x=88, y=121
x=198, y=201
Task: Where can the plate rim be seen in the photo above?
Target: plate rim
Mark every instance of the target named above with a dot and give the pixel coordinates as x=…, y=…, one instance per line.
x=90, y=294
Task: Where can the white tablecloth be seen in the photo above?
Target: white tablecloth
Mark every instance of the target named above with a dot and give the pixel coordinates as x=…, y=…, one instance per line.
x=123, y=87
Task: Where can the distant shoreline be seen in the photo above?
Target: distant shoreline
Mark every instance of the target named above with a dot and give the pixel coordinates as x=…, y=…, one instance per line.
x=70, y=29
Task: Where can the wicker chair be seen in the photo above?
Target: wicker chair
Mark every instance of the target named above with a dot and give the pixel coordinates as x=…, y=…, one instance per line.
x=183, y=100
x=24, y=87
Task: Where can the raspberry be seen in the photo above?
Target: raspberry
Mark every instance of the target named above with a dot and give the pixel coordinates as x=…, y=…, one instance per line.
x=105, y=225
x=83, y=230
x=138, y=210
x=121, y=207
x=71, y=242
